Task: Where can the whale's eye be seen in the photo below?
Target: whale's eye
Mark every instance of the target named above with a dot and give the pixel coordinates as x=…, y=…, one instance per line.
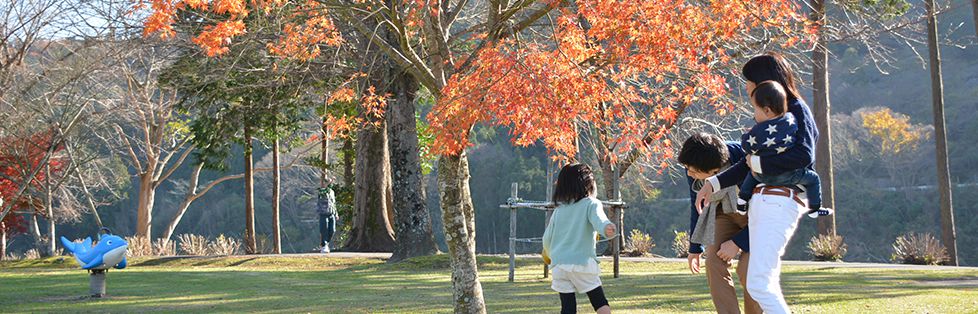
x=108, y=242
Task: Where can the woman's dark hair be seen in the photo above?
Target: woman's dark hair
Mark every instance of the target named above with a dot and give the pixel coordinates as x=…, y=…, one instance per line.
x=704, y=152
x=770, y=95
x=574, y=183
x=772, y=67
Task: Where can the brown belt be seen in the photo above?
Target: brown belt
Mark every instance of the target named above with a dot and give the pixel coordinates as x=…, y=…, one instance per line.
x=780, y=191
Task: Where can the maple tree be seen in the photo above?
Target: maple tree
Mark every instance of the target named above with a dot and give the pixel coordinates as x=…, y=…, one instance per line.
x=20, y=156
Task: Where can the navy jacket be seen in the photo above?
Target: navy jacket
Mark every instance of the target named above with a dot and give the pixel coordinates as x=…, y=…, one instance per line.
x=742, y=237
x=802, y=155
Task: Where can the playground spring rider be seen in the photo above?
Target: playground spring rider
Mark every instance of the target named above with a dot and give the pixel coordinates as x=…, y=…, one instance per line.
x=109, y=252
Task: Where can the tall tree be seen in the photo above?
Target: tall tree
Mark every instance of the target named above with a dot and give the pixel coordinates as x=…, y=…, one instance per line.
x=823, y=113
x=149, y=129
x=412, y=224
x=948, y=236
x=371, y=229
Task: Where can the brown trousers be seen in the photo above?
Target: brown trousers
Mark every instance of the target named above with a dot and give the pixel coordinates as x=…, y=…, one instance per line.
x=718, y=272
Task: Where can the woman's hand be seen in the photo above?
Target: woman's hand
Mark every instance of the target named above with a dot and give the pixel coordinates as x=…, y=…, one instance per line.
x=703, y=196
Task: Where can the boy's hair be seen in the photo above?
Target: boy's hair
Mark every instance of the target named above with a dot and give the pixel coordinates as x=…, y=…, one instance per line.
x=771, y=95
x=574, y=183
x=704, y=152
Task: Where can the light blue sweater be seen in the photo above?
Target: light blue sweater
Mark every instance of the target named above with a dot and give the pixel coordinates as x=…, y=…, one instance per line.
x=570, y=235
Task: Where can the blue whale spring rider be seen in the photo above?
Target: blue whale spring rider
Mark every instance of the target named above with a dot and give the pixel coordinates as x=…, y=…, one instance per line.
x=109, y=252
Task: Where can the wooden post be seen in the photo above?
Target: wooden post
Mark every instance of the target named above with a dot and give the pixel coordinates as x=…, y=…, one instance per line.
x=618, y=243
x=514, y=192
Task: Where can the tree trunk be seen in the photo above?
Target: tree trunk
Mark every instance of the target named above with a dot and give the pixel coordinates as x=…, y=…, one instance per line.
x=36, y=232
x=823, y=114
x=458, y=216
x=49, y=204
x=974, y=15
x=371, y=230
x=608, y=179
x=249, y=236
x=324, y=154
x=412, y=224
x=943, y=174
x=276, y=193
x=144, y=211
x=3, y=241
x=191, y=196
x=348, y=155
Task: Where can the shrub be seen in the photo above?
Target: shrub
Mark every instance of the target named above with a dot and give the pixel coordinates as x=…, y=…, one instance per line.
x=139, y=246
x=827, y=248
x=224, y=246
x=192, y=244
x=639, y=243
x=920, y=249
x=163, y=247
x=32, y=254
x=680, y=244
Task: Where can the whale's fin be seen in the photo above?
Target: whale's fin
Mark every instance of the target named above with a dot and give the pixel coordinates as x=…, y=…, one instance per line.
x=87, y=244
x=121, y=264
x=70, y=246
x=95, y=262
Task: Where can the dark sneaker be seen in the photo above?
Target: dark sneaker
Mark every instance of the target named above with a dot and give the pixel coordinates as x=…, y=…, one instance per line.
x=741, y=207
x=820, y=212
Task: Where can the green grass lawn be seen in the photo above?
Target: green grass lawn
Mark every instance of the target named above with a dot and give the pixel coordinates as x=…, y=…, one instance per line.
x=313, y=284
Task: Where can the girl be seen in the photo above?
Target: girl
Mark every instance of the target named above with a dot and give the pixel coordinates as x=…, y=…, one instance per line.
x=569, y=240
x=774, y=210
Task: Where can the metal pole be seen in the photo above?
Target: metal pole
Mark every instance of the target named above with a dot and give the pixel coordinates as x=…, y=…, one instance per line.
x=512, y=233
x=616, y=192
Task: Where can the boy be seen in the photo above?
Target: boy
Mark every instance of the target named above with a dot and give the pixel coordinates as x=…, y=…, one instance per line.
x=704, y=155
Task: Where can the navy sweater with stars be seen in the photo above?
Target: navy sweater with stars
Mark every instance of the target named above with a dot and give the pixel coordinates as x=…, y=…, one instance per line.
x=771, y=137
x=802, y=155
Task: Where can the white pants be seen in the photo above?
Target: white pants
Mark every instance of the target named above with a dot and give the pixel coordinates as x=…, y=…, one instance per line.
x=772, y=221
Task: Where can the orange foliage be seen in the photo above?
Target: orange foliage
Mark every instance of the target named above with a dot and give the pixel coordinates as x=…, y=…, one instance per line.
x=307, y=27
x=631, y=72
x=214, y=39
x=302, y=40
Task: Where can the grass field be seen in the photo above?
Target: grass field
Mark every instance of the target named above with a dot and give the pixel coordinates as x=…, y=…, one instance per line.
x=341, y=285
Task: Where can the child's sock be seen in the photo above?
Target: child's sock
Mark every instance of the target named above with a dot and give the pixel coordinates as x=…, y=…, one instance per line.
x=818, y=211
x=568, y=303
x=741, y=206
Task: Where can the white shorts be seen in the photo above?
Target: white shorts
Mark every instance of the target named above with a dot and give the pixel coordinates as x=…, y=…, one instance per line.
x=576, y=278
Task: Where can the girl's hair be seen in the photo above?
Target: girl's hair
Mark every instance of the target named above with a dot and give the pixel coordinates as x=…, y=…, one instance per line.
x=574, y=183
x=772, y=67
x=770, y=95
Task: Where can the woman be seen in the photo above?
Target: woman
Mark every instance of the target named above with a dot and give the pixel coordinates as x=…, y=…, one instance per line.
x=774, y=211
